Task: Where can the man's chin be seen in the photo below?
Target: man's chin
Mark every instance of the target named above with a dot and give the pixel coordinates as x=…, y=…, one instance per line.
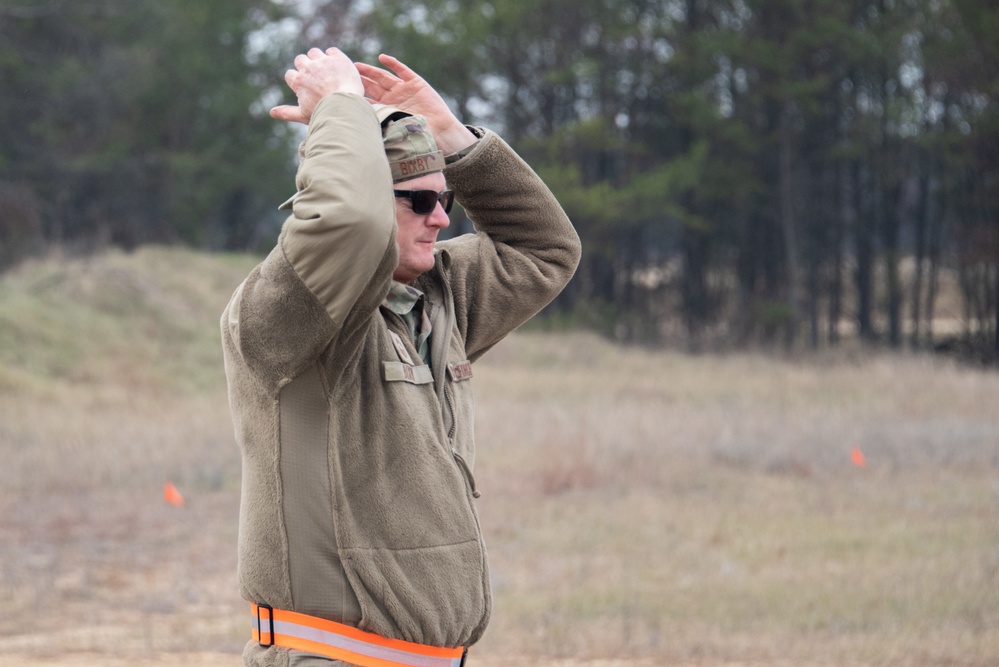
x=413, y=271
x=429, y=260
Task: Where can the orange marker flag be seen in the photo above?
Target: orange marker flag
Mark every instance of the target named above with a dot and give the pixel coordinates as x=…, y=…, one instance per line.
x=857, y=457
x=172, y=495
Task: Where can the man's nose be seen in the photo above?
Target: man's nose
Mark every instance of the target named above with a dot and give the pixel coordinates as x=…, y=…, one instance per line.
x=438, y=218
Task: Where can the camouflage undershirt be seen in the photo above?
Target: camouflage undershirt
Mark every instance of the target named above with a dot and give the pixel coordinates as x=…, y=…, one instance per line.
x=410, y=304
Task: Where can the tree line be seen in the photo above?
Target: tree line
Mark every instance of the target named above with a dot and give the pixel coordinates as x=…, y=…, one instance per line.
x=135, y=122
x=740, y=171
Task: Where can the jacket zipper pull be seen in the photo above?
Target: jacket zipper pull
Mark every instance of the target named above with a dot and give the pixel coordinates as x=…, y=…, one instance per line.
x=468, y=472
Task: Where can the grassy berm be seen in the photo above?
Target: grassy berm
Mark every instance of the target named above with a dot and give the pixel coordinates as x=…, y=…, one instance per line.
x=641, y=508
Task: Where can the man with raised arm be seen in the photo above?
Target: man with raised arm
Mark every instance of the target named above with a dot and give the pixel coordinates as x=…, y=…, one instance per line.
x=348, y=353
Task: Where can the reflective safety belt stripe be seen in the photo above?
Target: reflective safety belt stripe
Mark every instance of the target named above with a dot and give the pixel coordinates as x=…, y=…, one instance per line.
x=289, y=629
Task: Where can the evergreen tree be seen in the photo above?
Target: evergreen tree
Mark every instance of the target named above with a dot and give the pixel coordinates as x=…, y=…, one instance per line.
x=141, y=121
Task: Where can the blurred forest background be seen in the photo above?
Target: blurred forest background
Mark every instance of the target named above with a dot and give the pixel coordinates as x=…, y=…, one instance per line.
x=745, y=174
x=742, y=172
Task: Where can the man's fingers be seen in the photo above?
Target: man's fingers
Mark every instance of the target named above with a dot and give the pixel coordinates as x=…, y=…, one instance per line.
x=289, y=113
x=282, y=112
x=397, y=66
x=376, y=75
x=302, y=60
x=377, y=82
x=316, y=74
x=371, y=88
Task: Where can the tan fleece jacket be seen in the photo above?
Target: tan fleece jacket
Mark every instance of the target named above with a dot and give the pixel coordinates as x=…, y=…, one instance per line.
x=357, y=490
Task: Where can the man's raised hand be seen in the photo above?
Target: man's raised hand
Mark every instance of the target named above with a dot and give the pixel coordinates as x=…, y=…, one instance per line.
x=403, y=88
x=316, y=75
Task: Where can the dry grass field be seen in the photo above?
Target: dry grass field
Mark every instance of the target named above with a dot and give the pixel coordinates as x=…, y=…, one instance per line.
x=641, y=508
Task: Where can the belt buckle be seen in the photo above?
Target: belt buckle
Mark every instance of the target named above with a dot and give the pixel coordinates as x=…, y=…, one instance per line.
x=260, y=627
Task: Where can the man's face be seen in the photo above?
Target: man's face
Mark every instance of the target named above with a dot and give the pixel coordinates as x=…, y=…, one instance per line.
x=417, y=233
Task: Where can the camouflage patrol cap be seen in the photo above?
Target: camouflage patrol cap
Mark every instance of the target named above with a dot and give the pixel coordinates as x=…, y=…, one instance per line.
x=409, y=144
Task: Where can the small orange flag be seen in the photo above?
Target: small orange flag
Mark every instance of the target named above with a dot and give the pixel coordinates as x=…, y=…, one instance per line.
x=172, y=495
x=857, y=457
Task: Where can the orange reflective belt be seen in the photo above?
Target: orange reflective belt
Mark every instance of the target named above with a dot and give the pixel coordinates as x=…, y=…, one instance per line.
x=289, y=629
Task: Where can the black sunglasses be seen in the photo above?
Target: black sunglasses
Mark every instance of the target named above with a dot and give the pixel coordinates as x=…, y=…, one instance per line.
x=425, y=201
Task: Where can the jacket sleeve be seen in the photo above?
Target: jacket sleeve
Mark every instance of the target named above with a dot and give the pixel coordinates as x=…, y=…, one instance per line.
x=524, y=250
x=335, y=254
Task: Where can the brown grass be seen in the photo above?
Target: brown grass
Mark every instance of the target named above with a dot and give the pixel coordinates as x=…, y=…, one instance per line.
x=641, y=508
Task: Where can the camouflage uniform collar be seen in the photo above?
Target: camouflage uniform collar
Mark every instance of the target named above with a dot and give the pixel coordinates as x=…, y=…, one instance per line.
x=401, y=299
